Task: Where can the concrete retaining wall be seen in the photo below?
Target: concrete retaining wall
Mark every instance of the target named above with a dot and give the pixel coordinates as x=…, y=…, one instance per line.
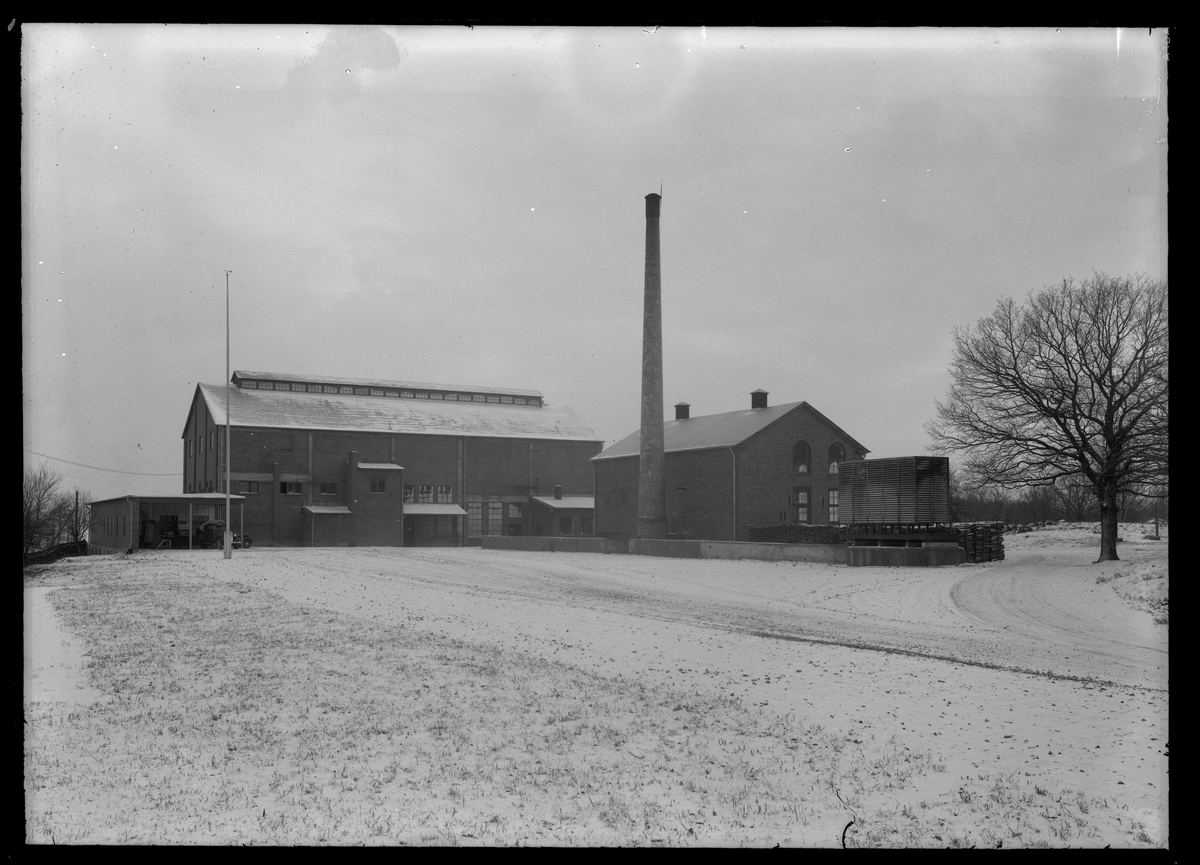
x=897, y=557
x=834, y=554
x=555, y=545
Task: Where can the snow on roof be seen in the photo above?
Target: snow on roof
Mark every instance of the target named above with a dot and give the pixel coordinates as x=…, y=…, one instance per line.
x=713, y=431
x=588, y=502
x=347, y=413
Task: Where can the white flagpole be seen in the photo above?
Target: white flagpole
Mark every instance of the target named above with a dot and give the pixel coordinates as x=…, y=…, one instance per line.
x=228, y=514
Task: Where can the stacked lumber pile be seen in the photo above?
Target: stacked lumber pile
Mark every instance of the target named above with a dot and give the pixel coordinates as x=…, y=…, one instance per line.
x=983, y=542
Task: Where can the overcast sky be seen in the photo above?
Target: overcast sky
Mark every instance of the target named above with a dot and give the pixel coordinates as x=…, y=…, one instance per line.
x=466, y=206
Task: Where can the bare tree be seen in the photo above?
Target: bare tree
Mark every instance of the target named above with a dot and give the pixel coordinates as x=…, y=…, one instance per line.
x=1076, y=497
x=1073, y=383
x=77, y=510
x=43, y=509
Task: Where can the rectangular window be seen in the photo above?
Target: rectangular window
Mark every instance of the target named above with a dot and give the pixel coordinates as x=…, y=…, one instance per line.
x=493, y=399
x=443, y=527
x=393, y=393
x=506, y=399
x=479, y=398
x=210, y=485
x=330, y=388
x=406, y=394
x=250, y=385
x=564, y=525
x=348, y=390
x=495, y=518
x=514, y=511
x=437, y=396
x=464, y=397
x=191, y=447
x=445, y=495
x=283, y=385
x=452, y=397
x=800, y=503
x=212, y=440
x=410, y=493
x=266, y=385
x=833, y=507
x=422, y=395
x=378, y=484
x=248, y=487
x=289, y=488
x=425, y=493
x=362, y=391
x=519, y=400
x=585, y=525
x=315, y=388
x=474, y=519
x=328, y=489
x=376, y=391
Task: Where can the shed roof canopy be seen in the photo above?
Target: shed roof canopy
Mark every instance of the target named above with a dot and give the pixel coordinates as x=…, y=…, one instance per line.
x=326, y=509
x=573, y=502
x=426, y=509
x=381, y=467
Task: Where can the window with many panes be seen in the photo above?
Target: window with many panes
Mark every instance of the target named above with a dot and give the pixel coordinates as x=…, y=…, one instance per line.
x=250, y=385
x=474, y=519
x=800, y=458
x=445, y=495
x=837, y=454
x=424, y=492
x=800, y=504
x=495, y=518
x=585, y=525
x=410, y=494
x=564, y=525
x=833, y=507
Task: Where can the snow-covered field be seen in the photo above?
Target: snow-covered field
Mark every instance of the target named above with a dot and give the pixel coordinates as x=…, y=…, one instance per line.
x=1034, y=691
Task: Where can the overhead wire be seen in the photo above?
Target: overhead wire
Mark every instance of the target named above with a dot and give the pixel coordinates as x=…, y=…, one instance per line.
x=100, y=469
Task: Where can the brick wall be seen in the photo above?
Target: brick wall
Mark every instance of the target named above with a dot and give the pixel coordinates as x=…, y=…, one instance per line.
x=699, y=483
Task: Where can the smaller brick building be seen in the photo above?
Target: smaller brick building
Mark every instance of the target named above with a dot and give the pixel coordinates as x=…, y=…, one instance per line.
x=763, y=465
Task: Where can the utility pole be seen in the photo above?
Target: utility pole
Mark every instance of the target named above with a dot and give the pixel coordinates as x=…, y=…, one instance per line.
x=228, y=513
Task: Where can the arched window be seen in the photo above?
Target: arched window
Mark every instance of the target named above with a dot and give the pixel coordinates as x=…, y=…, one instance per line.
x=800, y=458
x=837, y=454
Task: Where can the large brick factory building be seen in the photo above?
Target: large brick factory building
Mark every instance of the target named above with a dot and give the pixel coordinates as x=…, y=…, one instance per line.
x=324, y=461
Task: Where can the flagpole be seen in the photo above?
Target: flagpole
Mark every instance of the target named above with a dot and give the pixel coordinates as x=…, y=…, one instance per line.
x=228, y=513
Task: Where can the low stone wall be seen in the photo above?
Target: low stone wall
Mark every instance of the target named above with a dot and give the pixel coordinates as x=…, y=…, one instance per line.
x=555, y=545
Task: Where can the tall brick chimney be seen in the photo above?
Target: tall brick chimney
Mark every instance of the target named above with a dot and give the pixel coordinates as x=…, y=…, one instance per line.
x=652, y=489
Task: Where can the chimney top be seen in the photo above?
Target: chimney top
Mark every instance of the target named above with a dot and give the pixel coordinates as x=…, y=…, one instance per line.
x=653, y=202
x=758, y=398
x=557, y=491
x=682, y=410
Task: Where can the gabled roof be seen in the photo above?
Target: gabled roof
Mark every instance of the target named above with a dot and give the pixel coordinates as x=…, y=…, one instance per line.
x=346, y=413
x=717, y=431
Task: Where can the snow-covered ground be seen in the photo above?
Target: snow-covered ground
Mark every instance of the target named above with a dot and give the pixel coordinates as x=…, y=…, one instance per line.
x=1032, y=665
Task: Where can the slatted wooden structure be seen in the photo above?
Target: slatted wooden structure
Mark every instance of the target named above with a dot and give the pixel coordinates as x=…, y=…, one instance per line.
x=899, y=490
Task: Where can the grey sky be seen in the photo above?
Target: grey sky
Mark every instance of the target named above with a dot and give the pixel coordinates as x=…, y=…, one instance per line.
x=466, y=206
